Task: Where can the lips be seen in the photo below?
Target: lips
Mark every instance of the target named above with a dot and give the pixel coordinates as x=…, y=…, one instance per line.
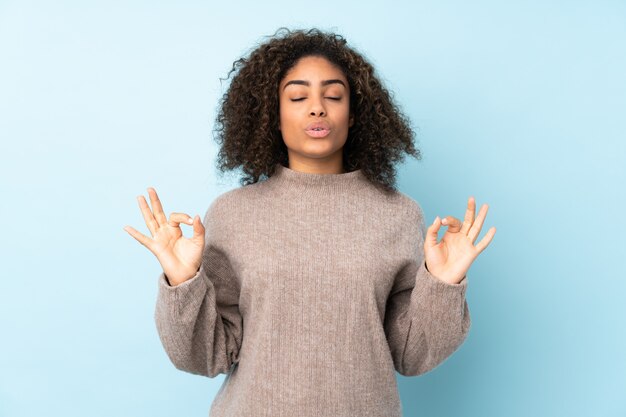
x=317, y=126
x=317, y=129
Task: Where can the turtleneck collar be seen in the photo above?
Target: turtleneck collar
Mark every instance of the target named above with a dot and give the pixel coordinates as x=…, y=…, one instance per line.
x=285, y=176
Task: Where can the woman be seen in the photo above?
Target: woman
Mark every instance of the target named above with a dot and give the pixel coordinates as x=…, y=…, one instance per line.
x=311, y=287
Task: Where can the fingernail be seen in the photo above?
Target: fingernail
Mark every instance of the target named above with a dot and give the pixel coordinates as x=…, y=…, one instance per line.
x=435, y=221
x=444, y=221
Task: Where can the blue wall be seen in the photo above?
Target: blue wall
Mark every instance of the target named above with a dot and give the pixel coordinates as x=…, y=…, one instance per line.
x=521, y=104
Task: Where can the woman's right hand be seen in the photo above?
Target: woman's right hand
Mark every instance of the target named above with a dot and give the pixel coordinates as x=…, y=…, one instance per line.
x=180, y=257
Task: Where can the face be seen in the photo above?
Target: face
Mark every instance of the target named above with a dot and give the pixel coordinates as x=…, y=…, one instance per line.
x=314, y=99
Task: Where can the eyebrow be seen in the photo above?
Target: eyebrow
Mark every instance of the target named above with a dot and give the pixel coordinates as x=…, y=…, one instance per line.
x=324, y=82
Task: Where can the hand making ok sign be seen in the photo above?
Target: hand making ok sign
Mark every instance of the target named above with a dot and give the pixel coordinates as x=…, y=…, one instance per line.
x=450, y=259
x=180, y=257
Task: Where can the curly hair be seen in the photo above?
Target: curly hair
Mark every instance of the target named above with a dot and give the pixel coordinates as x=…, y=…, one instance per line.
x=381, y=133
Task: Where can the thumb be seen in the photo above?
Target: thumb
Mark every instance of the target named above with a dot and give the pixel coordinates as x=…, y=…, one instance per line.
x=198, y=228
x=432, y=233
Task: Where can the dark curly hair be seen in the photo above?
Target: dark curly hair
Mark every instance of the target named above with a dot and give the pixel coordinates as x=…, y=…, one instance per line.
x=379, y=137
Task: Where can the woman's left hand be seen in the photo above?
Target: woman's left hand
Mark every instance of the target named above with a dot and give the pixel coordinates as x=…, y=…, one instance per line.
x=450, y=259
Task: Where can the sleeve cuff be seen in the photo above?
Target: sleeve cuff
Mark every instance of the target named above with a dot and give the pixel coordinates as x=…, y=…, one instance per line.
x=174, y=296
x=433, y=298
x=429, y=287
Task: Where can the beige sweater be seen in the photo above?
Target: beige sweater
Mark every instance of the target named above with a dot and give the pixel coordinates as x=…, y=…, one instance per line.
x=312, y=292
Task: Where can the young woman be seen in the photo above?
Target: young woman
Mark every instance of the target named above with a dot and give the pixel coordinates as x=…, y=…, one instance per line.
x=311, y=286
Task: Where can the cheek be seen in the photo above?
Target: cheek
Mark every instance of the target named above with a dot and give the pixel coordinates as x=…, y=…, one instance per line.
x=345, y=109
x=345, y=115
x=286, y=117
x=282, y=117
x=287, y=123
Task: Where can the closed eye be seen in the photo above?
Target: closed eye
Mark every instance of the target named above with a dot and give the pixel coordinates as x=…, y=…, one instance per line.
x=330, y=98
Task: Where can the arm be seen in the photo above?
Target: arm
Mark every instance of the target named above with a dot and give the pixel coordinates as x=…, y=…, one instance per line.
x=198, y=321
x=426, y=319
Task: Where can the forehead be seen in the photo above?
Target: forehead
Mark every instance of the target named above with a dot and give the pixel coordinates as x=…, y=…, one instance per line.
x=313, y=68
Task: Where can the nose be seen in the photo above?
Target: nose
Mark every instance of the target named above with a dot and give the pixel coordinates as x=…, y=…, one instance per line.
x=317, y=108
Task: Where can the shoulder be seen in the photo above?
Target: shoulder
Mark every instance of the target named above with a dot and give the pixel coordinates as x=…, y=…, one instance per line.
x=413, y=218
x=409, y=206
x=234, y=201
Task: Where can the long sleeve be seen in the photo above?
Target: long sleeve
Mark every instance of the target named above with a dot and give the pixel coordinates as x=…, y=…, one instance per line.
x=198, y=321
x=426, y=318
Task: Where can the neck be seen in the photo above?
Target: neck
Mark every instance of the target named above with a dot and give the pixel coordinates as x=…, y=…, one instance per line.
x=320, y=182
x=318, y=166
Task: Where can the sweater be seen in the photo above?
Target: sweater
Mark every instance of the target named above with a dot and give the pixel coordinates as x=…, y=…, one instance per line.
x=312, y=292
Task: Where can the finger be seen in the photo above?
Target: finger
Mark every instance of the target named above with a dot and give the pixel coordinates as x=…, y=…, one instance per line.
x=159, y=215
x=432, y=233
x=454, y=224
x=141, y=238
x=198, y=227
x=478, y=223
x=469, y=215
x=152, y=224
x=484, y=242
x=177, y=218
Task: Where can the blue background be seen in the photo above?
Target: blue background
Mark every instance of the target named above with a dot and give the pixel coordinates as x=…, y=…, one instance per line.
x=521, y=104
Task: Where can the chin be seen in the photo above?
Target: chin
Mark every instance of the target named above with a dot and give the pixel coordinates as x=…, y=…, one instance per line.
x=319, y=151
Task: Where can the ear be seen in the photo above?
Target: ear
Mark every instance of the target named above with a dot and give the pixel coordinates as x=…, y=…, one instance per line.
x=351, y=120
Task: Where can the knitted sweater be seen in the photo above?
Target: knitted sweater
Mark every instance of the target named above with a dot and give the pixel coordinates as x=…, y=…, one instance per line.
x=311, y=293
